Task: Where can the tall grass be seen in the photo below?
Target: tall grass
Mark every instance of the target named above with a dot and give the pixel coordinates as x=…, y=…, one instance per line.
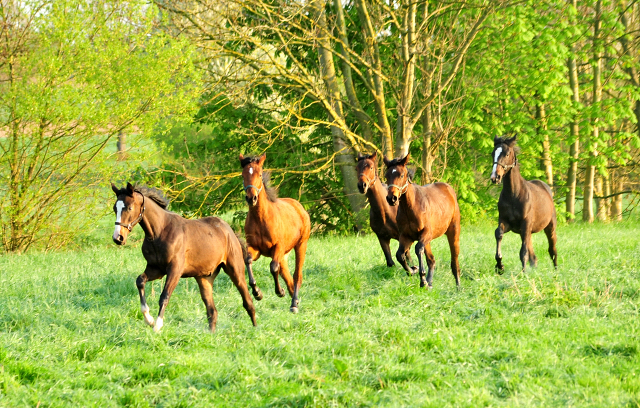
x=71, y=332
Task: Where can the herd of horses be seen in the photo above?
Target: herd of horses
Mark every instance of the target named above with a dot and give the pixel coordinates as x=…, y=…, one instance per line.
x=176, y=247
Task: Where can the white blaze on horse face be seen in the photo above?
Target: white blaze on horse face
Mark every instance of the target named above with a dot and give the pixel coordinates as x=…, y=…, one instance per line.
x=250, y=170
x=495, y=161
x=119, y=207
x=394, y=170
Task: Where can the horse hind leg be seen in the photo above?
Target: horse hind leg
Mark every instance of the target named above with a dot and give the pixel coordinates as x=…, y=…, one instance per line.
x=550, y=232
x=453, y=236
x=236, y=274
x=301, y=251
x=286, y=275
x=205, y=283
x=250, y=256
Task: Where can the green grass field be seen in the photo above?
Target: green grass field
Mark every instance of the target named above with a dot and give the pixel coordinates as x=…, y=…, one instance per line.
x=71, y=331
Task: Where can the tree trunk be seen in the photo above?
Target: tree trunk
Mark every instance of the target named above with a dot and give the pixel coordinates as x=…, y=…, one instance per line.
x=616, y=213
x=587, y=212
x=545, y=162
x=122, y=146
x=427, y=132
x=574, y=148
x=377, y=83
x=601, y=208
x=361, y=116
x=404, y=128
x=344, y=154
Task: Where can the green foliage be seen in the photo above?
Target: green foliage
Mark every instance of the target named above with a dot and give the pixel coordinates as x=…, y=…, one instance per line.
x=75, y=74
x=366, y=334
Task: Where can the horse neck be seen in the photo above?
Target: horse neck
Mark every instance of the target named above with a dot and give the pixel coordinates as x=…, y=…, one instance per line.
x=408, y=199
x=153, y=220
x=513, y=181
x=262, y=209
x=377, y=196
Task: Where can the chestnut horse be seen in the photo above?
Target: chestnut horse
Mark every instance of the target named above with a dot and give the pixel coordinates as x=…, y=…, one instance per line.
x=382, y=216
x=524, y=207
x=179, y=248
x=425, y=213
x=274, y=227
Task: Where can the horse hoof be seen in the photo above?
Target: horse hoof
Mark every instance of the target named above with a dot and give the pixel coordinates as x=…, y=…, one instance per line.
x=429, y=287
x=148, y=319
x=293, y=309
x=280, y=294
x=413, y=271
x=390, y=264
x=499, y=270
x=257, y=294
x=158, y=325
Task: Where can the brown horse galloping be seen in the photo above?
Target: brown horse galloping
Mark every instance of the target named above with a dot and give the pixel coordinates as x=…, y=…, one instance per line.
x=424, y=213
x=274, y=227
x=179, y=248
x=382, y=216
x=524, y=207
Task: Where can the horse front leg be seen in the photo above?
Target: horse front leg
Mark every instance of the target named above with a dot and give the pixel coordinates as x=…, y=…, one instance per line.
x=401, y=255
x=149, y=274
x=174, y=273
x=384, y=244
x=252, y=255
x=500, y=231
x=274, y=266
x=424, y=248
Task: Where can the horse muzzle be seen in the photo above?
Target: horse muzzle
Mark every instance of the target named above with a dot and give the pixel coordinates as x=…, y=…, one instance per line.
x=496, y=178
x=363, y=187
x=392, y=200
x=253, y=200
x=119, y=240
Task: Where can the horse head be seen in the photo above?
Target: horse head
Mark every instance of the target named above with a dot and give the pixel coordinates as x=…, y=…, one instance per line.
x=397, y=178
x=366, y=169
x=252, y=177
x=129, y=210
x=504, y=157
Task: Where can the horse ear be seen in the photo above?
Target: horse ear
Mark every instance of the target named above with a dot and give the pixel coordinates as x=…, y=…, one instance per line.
x=262, y=159
x=405, y=160
x=386, y=162
x=115, y=189
x=241, y=157
x=512, y=141
x=497, y=140
x=129, y=189
x=374, y=156
x=360, y=156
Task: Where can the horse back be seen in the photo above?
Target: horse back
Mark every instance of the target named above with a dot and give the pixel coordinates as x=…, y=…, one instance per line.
x=208, y=243
x=542, y=206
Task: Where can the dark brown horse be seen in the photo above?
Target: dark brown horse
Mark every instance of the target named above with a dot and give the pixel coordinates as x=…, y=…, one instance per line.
x=524, y=207
x=274, y=227
x=382, y=216
x=425, y=213
x=179, y=248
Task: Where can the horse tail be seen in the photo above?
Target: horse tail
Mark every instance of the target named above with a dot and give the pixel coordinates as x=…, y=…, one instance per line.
x=243, y=245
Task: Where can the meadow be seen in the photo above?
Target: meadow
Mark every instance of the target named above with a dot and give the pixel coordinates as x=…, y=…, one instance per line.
x=71, y=331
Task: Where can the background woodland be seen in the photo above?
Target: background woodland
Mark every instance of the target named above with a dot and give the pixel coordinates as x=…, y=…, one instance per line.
x=169, y=94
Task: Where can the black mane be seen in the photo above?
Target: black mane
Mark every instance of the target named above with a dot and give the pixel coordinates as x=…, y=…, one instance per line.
x=154, y=194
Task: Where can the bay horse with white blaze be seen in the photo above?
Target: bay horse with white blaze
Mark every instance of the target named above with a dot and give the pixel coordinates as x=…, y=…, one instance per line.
x=524, y=207
x=179, y=248
x=425, y=213
x=274, y=226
